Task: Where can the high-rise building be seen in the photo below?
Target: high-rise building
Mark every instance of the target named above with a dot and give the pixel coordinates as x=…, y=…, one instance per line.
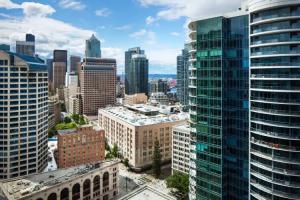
x=274, y=99
x=54, y=116
x=88, y=146
x=92, y=48
x=24, y=115
x=98, y=84
x=75, y=64
x=26, y=47
x=218, y=92
x=136, y=71
x=183, y=75
x=59, y=68
x=159, y=85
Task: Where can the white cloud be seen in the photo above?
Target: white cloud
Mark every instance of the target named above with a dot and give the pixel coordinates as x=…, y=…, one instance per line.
x=174, y=9
x=50, y=33
x=72, y=4
x=149, y=37
x=8, y=4
x=175, y=34
x=31, y=9
x=124, y=27
x=104, y=12
x=150, y=20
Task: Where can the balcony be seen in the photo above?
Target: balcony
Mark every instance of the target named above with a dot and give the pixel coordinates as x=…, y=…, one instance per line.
x=279, y=135
x=276, y=40
x=275, y=64
x=275, y=169
x=274, y=192
x=275, y=87
x=279, y=52
x=274, y=180
x=277, y=112
x=275, y=157
x=282, y=100
x=277, y=15
x=275, y=146
x=275, y=123
x=275, y=28
x=275, y=76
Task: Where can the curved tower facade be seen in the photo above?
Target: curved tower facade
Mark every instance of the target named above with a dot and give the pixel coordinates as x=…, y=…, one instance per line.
x=274, y=99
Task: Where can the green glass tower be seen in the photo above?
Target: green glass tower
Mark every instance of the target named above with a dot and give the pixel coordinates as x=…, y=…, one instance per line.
x=218, y=92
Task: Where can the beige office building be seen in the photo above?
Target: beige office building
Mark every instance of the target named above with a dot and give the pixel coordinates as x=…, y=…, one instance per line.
x=139, y=98
x=98, y=84
x=135, y=129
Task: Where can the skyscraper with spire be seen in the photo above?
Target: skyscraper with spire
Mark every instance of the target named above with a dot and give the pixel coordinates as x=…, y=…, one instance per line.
x=92, y=48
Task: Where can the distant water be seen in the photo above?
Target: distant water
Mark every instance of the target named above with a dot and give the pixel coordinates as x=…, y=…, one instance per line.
x=158, y=76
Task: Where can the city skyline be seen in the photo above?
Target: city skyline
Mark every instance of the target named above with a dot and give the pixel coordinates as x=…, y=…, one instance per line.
x=155, y=26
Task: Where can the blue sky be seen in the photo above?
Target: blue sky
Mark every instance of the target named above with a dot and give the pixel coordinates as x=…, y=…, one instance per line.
x=158, y=26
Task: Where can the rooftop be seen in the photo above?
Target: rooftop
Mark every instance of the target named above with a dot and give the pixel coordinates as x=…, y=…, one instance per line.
x=147, y=193
x=138, y=115
x=182, y=127
x=25, y=186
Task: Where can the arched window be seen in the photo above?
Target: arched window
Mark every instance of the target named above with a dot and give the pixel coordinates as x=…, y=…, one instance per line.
x=76, y=192
x=52, y=196
x=106, y=179
x=64, y=194
x=96, y=183
x=86, y=187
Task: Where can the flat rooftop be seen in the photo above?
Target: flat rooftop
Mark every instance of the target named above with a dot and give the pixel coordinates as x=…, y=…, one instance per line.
x=147, y=193
x=27, y=185
x=132, y=114
x=182, y=127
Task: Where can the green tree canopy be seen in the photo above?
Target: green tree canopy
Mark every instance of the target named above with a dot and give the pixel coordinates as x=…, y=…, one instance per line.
x=179, y=181
x=156, y=165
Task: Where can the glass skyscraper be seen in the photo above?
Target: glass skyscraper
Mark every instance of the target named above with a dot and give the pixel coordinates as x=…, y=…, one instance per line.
x=92, y=48
x=275, y=99
x=219, y=111
x=183, y=75
x=136, y=71
x=24, y=115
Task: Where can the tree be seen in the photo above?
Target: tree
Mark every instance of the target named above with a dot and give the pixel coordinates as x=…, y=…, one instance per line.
x=67, y=120
x=156, y=165
x=180, y=182
x=115, y=151
x=126, y=162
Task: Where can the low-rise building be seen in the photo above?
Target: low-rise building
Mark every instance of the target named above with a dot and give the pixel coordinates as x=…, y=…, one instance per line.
x=82, y=145
x=181, y=148
x=139, y=98
x=147, y=193
x=135, y=129
x=159, y=98
x=94, y=181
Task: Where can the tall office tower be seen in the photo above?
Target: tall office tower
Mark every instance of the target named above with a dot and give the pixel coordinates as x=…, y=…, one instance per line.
x=129, y=72
x=92, y=48
x=98, y=84
x=136, y=71
x=75, y=64
x=219, y=86
x=59, y=68
x=275, y=99
x=183, y=76
x=26, y=47
x=24, y=115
